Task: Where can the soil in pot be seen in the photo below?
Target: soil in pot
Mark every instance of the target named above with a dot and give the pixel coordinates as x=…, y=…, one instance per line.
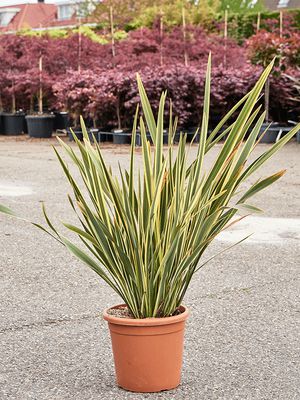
x=13, y=124
x=147, y=352
x=40, y=126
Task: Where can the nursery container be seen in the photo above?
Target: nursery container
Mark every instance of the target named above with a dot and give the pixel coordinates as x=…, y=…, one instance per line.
x=61, y=120
x=40, y=126
x=121, y=137
x=147, y=352
x=13, y=124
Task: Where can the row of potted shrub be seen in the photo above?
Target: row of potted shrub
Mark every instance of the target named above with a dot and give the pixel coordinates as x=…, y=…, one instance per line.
x=103, y=88
x=36, y=125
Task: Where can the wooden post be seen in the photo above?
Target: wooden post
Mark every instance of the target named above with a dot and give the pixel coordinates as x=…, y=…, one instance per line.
x=112, y=32
x=79, y=45
x=186, y=61
x=41, y=88
x=161, y=34
x=280, y=23
x=258, y=23
x=225, y=38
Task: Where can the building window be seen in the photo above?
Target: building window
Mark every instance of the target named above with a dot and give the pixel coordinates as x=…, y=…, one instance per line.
x=65, y=11
x=283, y=3
x=7, y=15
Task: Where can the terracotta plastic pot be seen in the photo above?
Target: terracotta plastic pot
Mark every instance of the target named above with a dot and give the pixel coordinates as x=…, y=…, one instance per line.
x=147, y=352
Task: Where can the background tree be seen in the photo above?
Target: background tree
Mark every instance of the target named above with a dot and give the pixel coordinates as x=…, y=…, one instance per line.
x=241, y=6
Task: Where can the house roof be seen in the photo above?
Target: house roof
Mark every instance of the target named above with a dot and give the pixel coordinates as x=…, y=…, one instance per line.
x=39, y=15
x=30, y=16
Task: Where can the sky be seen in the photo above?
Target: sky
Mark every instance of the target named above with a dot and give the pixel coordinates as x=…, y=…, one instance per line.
x=12, y=2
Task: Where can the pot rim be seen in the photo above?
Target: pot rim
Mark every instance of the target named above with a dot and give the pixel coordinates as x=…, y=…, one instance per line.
x=150, y=321
x=41, y=116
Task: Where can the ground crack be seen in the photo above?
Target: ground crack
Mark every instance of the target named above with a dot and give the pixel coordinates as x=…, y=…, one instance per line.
x=49, y=322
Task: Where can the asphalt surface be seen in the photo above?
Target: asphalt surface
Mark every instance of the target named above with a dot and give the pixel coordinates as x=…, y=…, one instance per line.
x=242, y=338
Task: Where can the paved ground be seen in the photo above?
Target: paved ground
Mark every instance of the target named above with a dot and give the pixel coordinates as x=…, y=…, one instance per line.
x=242, y=339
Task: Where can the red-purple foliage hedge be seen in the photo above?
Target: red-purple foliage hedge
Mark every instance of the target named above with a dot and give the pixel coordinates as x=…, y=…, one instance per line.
x=105, y=87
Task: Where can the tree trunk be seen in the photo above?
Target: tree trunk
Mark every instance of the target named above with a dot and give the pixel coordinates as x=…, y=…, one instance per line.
x=13, y=103
x=31, y=105
x=118, y=113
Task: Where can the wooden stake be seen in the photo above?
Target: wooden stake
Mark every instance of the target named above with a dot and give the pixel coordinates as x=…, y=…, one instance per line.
x=79, y=45
x=41, y=88
x=225, y=38
x=258, y=23
x=161, y=34
x=186, y=61
x=280, y=23
x=40, y=96
x=112, y=32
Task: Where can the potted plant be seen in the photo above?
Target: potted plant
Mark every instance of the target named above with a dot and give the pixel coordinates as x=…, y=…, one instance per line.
x=40, y=125
x=295, y=96
x=145, y=234
x=108, y=104
x=13, y=122
x=61, y=120
x=73, y=92
x=263, y=47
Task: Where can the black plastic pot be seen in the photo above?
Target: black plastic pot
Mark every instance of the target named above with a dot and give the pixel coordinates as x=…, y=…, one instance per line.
x=61, y=120
x=104, y=136
x=13, y=124
x=298, y=136
x=77, y=132
x=191, y=133
x=121, y=137
x=274, y=133
x=40, y=126
x=93, y=133
x=138, y=140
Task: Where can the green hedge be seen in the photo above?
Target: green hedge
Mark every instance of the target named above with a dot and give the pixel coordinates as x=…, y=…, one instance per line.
x=242, y=26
